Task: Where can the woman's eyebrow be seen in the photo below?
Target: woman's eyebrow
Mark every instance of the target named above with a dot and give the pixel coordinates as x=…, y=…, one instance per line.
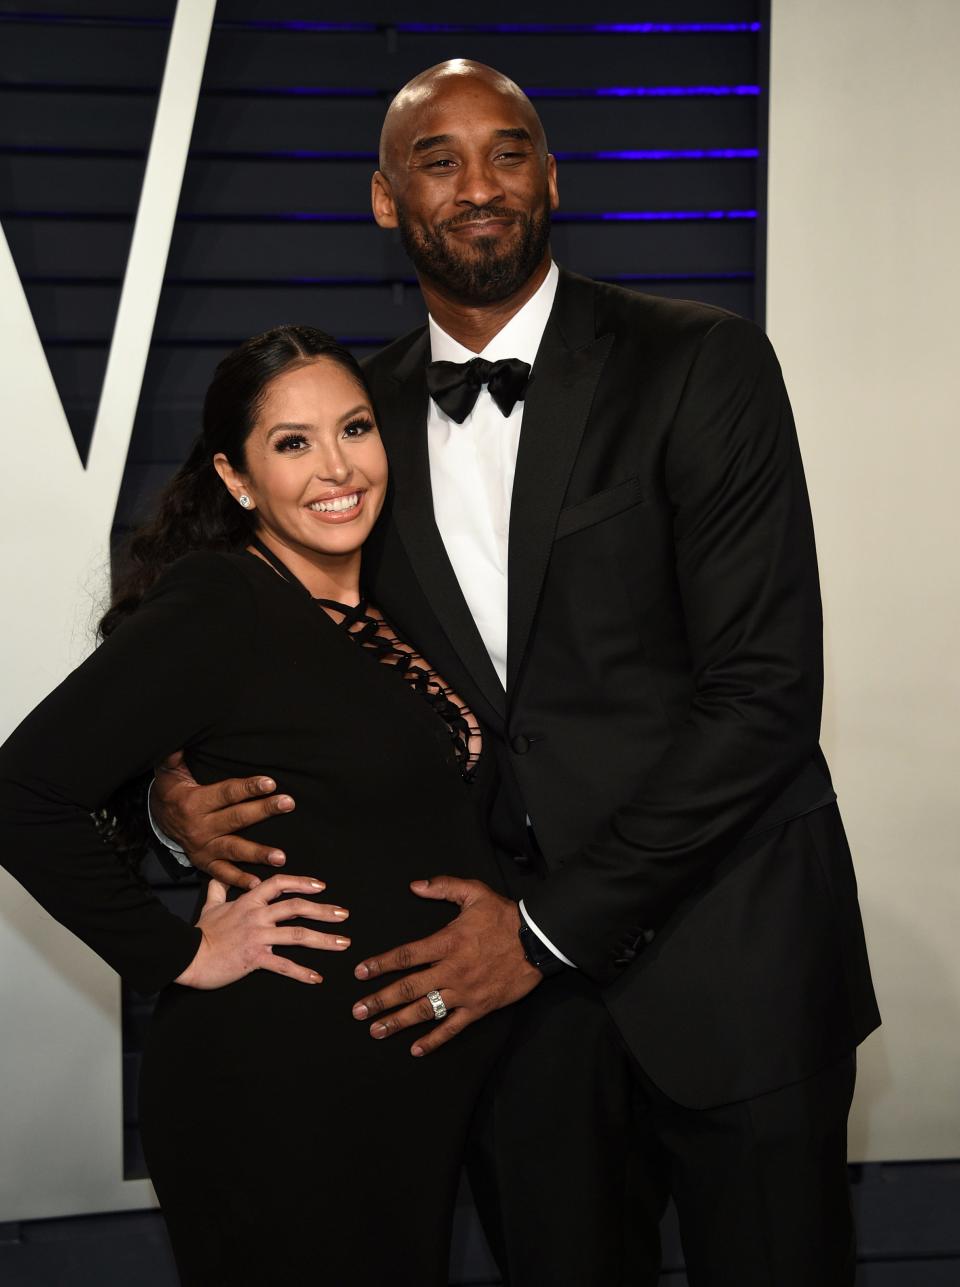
x=287, y=425
x=354, y=411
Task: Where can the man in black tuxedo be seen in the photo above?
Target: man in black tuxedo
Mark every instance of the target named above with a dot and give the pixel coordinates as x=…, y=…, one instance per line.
x=644, y=651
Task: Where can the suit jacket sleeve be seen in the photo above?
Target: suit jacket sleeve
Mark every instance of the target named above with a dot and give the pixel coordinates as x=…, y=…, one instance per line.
x=155, y=685
x=747, y=577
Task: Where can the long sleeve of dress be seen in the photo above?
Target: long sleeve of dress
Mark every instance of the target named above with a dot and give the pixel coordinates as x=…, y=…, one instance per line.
x=159, y=682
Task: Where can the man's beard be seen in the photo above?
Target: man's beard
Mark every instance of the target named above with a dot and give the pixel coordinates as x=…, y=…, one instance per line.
x=490, y=273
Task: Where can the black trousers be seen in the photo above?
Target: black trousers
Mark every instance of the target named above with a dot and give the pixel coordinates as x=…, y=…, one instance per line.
x=575, y=1154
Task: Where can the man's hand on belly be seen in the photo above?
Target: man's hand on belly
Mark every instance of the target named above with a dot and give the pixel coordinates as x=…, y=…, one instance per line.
x=476, y=963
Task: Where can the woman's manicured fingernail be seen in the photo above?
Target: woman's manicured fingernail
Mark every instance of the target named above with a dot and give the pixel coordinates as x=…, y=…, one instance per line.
x=360, y=1011
x=416, y=1051
x=341, y=912
x=317, y=884
x=343, y=942
x=316, y=978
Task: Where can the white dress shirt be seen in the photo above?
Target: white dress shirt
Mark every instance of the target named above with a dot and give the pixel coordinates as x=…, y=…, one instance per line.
x=471, y=476
x=472, y=467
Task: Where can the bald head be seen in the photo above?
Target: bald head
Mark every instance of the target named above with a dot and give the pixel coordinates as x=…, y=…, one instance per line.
x=457, y=81
x=466, y=178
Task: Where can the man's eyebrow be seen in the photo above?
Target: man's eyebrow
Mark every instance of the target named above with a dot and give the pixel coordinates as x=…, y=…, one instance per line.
x=437, y=140
x=432, y=140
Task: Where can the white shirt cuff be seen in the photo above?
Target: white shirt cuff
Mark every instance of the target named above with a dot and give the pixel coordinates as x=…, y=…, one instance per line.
x=178, y=852
x=540, y=935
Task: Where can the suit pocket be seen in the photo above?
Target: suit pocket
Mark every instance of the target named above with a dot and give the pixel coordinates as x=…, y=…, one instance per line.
x=600, y=506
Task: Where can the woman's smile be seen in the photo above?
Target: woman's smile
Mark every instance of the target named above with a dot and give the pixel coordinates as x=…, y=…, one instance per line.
x=339, y=507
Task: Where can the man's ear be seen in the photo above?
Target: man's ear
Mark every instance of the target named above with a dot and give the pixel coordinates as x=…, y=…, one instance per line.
x=381, y=199
x=552, y=181
x=235, y=483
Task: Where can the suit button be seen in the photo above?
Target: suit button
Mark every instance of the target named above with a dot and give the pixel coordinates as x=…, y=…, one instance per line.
x=520, y=744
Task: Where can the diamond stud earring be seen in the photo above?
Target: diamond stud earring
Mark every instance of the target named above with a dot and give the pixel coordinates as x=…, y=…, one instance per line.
x=244, y=500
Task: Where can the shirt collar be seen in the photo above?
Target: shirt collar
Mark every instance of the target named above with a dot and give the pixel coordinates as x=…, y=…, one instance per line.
x=520, y=338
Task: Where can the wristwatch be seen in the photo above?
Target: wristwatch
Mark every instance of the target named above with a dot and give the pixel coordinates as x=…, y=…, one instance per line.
x=538, y=954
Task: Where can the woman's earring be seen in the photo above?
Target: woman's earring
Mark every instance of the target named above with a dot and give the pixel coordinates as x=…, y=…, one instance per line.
x=244, y=500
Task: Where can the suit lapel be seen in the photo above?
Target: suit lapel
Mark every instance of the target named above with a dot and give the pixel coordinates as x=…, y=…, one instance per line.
x=562, y=386
x=405, y=433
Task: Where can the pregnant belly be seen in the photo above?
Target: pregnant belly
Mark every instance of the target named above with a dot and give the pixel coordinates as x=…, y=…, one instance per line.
x=368, y=869
x=267, y=1017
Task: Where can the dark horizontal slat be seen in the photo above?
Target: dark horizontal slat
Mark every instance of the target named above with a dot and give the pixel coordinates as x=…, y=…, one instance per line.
x=50, y=247
x=187, y=315
x=67, y=119
x=615, y=123
x=242, y=190
x=59, y=119
x=123, y=8
x=86, y=53
x=209, y=250
x=51, y=19
x=102, y=342
x=274, y=59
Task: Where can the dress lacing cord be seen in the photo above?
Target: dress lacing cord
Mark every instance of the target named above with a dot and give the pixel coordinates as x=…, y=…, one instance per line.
x=367, y=628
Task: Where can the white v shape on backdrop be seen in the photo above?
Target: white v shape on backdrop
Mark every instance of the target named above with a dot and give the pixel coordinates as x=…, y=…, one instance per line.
x=63, y=1153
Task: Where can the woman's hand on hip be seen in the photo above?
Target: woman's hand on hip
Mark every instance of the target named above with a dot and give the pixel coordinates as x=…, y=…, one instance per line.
x=239, y=936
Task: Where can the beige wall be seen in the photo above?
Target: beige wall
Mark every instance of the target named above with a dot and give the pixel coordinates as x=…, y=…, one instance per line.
x=863, y=302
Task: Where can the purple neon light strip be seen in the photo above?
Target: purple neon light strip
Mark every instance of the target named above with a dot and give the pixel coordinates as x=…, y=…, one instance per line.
x=312, y=154
x=581, y=28
x=532, y=91
x=657, y=91
x=367, y=92
x=501, y=28
x=666, y=154
x=282, y=283
x=404, y=28
x=316, y=216
x=657, y=216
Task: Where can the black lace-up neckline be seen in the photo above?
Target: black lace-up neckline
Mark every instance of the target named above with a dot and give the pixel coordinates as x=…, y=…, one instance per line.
x=367, y=628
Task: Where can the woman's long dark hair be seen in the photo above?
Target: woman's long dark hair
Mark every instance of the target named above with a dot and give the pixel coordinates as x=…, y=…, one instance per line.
x=195, y=511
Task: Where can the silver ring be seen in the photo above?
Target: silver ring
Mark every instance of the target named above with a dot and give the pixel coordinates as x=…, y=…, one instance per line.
x=436, y=1000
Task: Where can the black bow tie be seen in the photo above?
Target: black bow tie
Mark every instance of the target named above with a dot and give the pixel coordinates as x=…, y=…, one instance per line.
x=455, y=386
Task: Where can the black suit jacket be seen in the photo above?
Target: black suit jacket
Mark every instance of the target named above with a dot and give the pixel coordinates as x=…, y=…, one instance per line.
x=661, y=721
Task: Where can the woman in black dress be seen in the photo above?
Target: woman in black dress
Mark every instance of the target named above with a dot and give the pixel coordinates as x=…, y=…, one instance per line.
x=242, y=635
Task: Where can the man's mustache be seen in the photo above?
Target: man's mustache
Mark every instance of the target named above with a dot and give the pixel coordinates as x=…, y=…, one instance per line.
x=478, y=215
